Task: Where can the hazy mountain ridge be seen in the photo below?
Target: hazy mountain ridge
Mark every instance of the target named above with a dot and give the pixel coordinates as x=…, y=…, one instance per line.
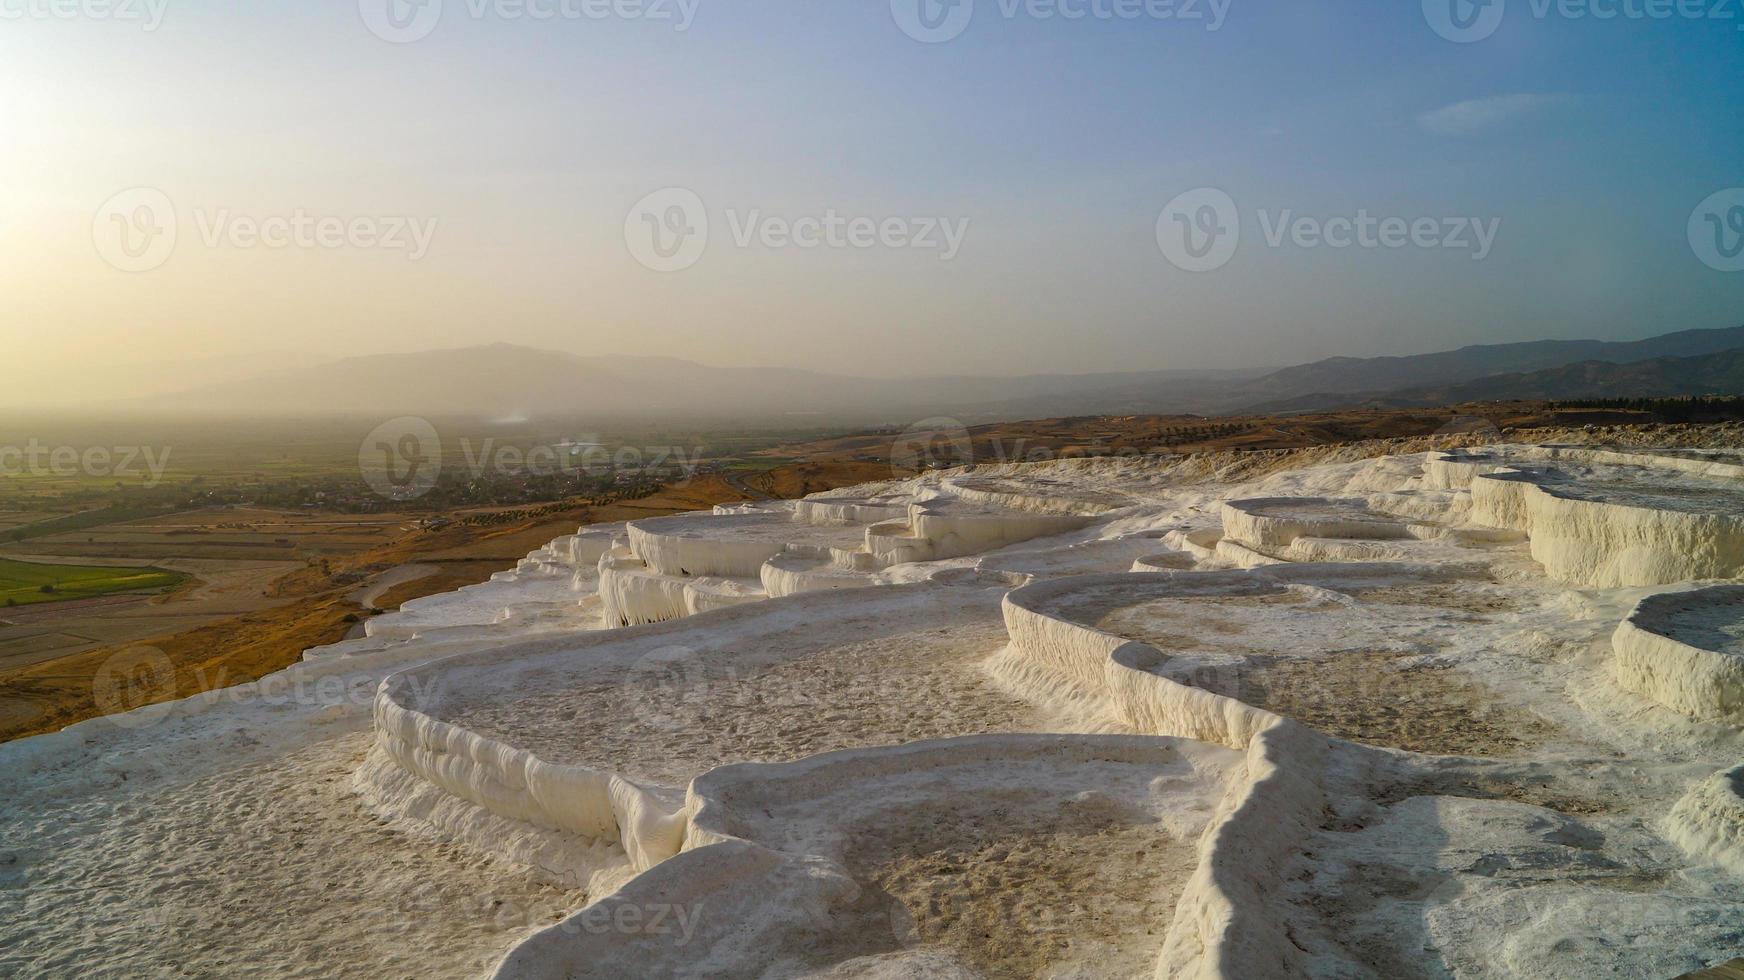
x=1341, y=381
x=1661, y=377
x=1350, y=374
x=504, y=380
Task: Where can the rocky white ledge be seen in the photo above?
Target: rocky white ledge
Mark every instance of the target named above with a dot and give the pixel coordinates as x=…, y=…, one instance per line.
x=1612, y=526
x=1709, y=822
x=1686, y=651
x=787, y=865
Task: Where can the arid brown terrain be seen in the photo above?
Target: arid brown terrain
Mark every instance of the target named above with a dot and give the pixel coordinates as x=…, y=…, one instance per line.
x=240, y=620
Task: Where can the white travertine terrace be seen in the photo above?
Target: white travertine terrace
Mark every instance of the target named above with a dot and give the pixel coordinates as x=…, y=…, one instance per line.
x=1164, y=561
x=806, y=568
x=1709, y=822
x=782, y=838
x=1457, y=470
x=1276, y=523
x=679, y=566
x=1273, y=531
x=943, y=528
x=1721, y=464
x=1201, y=543
x=1345, y=714
x=1608, y=525
x=1222, y=930
x=1686, y=651
x=427, y=734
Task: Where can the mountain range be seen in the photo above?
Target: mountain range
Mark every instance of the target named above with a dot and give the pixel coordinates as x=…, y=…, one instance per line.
x=1660, y=377
x=505, y=380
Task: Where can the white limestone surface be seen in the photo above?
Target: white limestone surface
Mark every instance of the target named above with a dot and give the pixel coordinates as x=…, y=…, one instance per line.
x=1709, y=821
x=1338, y=768
x=999, y=855
x=1609, y=526
x=1686, y=651
x=1277, y=522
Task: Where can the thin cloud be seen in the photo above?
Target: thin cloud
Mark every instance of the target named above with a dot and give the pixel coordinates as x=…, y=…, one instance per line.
x=1478, y=115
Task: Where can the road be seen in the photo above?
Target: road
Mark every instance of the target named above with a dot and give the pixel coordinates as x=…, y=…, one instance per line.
x=738, y=483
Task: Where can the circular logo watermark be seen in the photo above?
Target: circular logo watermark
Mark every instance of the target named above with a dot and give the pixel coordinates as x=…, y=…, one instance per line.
x=932, y=444
x=665, y=685
x=668, y=230
x=400, y=21
x=932, y=21
x=1470, y=425
x=1199, y=231
x=1464, y=21
x=1716, y=230
x=135, y=686
x=401, y=458
x=135, y=230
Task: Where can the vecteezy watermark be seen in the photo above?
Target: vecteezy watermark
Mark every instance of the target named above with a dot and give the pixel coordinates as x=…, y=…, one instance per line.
x=37, y=459
x=450, y=901
x=932, y=444
x=668, y=231
x=626, y=918
x=1716, y=230
x=1468, y=21
x=630, y=918
x=937, y=21
x=137, y=230
x=1464, y=21
x=402, y=459
x=1200, y=230
x=405, y=21
x=941, y=443
x=149, y=14
x=1460, y=233
x=1474, y=426
x=134, y=687
x=681, y=688
x=663, y=683
x=303, y=230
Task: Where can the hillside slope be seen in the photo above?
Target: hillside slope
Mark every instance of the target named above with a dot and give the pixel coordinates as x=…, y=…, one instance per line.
x=504, y=380
x=1660, y=377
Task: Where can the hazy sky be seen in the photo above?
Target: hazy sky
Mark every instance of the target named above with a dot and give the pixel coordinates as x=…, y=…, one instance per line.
x=480, y=183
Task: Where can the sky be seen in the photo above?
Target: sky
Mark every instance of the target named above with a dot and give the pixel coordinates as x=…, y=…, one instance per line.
x=865, y=187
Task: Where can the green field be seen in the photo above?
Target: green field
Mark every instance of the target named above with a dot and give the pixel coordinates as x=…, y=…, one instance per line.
x=24, y=583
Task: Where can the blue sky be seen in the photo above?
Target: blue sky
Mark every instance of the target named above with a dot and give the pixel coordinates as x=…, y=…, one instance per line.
x=1584, y=143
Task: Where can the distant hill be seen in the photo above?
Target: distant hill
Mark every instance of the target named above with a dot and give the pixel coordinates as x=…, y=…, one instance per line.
x=1342, y=381
x=1352, y=374
x=1660, y=377
x=504, y=380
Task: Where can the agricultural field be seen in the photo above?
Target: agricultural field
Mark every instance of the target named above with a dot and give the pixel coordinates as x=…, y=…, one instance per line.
x=269, y=583
x=14, y=518
x=1034, y=440
x=231, y=558
x=30, y=583
x=235, y=533
x=100, y=458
